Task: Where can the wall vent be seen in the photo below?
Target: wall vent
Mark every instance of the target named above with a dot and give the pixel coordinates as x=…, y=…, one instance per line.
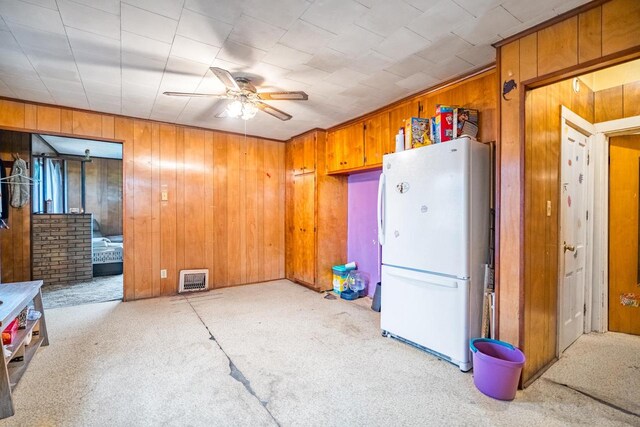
x=194, y=280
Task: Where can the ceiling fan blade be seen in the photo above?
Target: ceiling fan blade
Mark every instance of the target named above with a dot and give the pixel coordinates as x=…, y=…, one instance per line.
x=226, y=78
x=279, y=114
x=277, y=96
x=201, y=95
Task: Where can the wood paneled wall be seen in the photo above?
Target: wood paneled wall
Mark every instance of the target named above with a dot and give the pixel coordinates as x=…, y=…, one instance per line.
x=15, y=242
x=103, y=186
x=542, y=183
x=225, y=207
x=598, y=34
x=617, y=102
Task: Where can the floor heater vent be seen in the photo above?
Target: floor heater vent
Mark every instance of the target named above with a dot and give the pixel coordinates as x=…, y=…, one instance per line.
x=194, y=280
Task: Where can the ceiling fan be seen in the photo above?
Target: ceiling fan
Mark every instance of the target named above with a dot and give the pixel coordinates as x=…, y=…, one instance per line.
x=246, y=100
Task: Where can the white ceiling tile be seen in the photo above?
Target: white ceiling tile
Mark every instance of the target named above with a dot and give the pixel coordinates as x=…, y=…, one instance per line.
x=328, y=60
x=89, y=19
x=58, y=85
x=479, y=7
x=255, y=33
x=450, y=68
x=56, y=68
x=27, y=82
x=285, y=57
x=202, y=28
x=194, y=50
x=439, y=20
x=89, y=45
x=225, y=11
x=49, y=4
x=525, y=11
x=360, y=91
x=370, y=62
x=31, y=15
x=386, y=17
x=334, y=15
x=142, y=71
x=567, y=5
x=34, y=95
x=148, y=24
x=281, y=13
x=306, y=37
x=240, y=54
x=409, y=66
x=100, y=72
x=34, y=39
x=306, y=74
x=417, y=81
x=110, y=6
x=355, y=41
x=134, y=44
x=99, y=87
x=443, y=48
x=422, y=4
x=182, y=75
x=485, y=28
x=402, y=43
x=169, y=8
x=3, y=26
x=6, y=90
x=345, y=77
x=479, y=55
x=381, y=79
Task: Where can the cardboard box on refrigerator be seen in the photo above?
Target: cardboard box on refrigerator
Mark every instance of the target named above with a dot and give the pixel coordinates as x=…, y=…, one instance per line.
x=444, y=123
x=465, y=122
x=417, y=132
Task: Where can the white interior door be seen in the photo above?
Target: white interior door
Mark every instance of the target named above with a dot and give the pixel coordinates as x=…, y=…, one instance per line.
x=573, y=235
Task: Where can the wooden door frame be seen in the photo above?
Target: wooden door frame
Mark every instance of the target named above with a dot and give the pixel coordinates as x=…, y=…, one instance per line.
x=573, y=120
x=599, y=312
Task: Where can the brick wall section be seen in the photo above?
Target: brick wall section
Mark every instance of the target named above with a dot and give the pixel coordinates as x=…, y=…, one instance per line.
x=61, y=246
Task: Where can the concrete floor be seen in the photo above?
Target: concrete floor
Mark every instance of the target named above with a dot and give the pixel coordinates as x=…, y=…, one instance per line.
x=99, y=289
x=268, y=354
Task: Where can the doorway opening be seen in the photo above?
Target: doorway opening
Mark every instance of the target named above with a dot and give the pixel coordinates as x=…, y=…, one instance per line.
x=578, y=205
x=76, y=214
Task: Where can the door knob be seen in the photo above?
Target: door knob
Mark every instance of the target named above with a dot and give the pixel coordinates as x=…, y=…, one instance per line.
x=568, y=247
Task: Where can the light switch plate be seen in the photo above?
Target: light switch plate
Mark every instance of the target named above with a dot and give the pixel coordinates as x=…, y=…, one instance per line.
x=163, y=274
x=164, y=196
x=548, y=207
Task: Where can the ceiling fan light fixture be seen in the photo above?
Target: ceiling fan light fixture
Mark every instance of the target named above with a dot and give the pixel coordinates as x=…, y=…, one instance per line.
x=249, y=110
x=234, y=109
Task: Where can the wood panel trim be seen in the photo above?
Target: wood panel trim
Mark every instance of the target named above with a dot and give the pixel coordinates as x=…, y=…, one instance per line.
x=586, y=67
x=99, y=138
x=550, y=22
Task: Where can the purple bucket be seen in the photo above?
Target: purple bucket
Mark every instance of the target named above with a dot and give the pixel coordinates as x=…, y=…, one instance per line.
x=496, y=367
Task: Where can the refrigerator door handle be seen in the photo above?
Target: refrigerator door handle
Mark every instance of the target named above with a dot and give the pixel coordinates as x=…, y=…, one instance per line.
x=381, y=188
x=416, y=279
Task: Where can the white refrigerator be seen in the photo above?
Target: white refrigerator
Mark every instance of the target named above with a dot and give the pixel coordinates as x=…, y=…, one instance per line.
x=433, y=225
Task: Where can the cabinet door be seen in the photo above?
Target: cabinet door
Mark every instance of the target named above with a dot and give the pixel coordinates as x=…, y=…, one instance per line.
x=345, y=148
x=303, y=228
x=377, y=139
x=307, y=273
x=298, y=226
x=297, y=154
x=333, y=151
x=309, y=152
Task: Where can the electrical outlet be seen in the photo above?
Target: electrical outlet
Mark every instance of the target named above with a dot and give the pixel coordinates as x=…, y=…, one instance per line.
x=163, y=274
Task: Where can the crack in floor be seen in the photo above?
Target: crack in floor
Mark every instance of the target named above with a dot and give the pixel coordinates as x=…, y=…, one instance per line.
x=234, y=372
x=597, y=399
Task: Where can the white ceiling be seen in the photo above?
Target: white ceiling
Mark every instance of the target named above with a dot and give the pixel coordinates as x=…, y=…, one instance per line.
x=350, y=56
x=77, y=147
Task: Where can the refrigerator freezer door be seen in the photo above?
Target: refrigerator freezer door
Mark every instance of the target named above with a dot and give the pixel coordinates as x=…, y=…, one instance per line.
x=426, y=209
x=428, y=310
